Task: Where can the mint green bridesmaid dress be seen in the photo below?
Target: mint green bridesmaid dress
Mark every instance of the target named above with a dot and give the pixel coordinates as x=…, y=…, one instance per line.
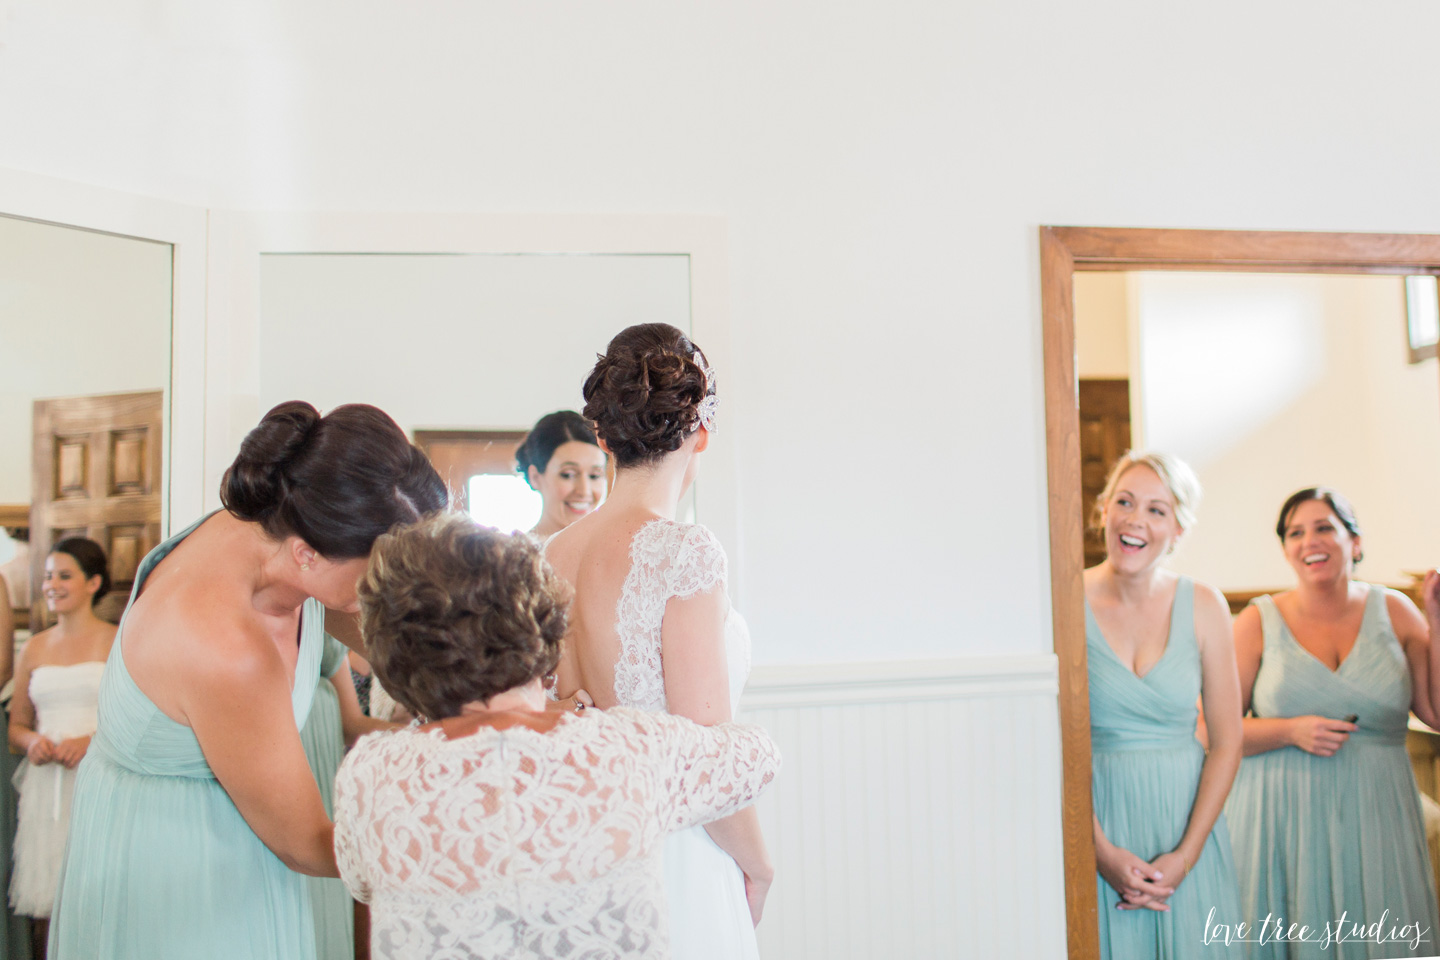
x=1145, y=769
x=323, y=737
x=1318, y=837
x=160, y=865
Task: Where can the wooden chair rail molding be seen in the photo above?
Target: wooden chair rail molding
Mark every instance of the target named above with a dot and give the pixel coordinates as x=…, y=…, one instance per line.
x=1064, y=250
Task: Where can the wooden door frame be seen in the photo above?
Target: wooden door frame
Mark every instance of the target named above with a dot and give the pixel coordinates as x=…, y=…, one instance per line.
x=1063, y=251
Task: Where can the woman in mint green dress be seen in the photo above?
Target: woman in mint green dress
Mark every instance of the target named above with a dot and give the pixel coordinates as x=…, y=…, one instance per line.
x=1325, y=815
x=195, y=812
x=1155, y=644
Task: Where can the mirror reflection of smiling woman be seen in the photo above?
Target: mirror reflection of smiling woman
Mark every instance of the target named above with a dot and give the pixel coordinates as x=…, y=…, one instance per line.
x=195, y=810
x=562, y=461
x=1325, y=812
x=1155, y=643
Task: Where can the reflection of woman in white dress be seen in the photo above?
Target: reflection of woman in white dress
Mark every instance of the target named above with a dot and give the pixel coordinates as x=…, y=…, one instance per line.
x=52, y=718
x=651, y=625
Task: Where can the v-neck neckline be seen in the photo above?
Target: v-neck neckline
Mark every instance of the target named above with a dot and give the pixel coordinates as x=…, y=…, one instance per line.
x=1354, y=644
x=1169, y=636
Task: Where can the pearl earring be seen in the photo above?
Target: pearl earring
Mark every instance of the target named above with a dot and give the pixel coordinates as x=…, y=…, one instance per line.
x=304, y=566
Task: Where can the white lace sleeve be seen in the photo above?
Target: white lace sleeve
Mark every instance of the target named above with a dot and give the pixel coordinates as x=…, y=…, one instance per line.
x=667, y=560
x=697, y=562
x=348, y=804
x=709, y=772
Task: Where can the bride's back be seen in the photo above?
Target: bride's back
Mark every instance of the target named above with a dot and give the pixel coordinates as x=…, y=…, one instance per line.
x=651, y=397
x=593, y=556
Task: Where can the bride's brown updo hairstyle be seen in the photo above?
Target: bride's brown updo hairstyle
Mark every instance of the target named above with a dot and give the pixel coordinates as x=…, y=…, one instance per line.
x=337, y=482
x=644, y=394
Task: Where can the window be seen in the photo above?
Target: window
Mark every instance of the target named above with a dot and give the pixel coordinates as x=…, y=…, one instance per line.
x=1422, y=316
x=503, y=502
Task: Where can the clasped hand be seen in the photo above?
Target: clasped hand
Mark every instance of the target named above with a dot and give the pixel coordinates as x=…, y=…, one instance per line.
x=69, y=752
x=1141, y=884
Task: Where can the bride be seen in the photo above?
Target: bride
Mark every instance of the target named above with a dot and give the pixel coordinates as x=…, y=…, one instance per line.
x=651, y=625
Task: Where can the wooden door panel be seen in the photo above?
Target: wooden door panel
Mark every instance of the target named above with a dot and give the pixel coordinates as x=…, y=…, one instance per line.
x=1104, y=438
x=72, y=467
x=129, y=463
x=97, y=474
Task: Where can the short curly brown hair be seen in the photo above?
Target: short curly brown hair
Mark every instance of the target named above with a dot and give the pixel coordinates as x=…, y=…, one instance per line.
x=455, y=613
x=644, y=394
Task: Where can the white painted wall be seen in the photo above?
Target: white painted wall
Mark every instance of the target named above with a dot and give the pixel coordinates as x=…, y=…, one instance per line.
x=1269, y=383
x=888, y=840
x=80, y=313
x=882, y=170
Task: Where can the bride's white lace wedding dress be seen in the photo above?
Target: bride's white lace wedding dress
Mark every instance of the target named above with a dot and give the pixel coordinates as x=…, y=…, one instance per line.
x=709, y=917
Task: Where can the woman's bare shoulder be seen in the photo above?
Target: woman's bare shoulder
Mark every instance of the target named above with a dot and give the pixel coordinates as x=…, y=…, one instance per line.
x=40, y=644
x=1405, y=617
x=201, y=627
x=1210, y=599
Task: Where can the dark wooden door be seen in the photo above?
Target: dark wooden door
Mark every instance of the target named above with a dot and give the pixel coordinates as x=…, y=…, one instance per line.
x=1104, y=438
x=97, y=474
x=458, y=455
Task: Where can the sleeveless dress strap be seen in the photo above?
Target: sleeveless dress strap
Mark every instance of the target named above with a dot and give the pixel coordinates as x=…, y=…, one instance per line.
x=1377, y=612
x=1270, y=622
x=1182, y=612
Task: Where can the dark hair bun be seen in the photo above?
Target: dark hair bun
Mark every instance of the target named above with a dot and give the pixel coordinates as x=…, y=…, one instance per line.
x=337, y=482
x=550, y=433
x=644, y=394
x=254, y=486
x=89, y=556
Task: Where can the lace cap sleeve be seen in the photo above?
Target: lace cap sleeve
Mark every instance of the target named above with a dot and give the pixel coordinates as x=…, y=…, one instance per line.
x=697, y=561
x=706, y=772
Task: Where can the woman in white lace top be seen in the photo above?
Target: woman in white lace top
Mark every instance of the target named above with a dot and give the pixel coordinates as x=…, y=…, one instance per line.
x=501, y=829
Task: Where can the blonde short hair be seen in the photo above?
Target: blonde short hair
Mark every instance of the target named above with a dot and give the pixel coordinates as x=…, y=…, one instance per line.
x=1175, y=473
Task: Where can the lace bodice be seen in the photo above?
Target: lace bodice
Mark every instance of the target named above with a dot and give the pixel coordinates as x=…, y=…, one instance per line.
x=667, y=560
x=522, y=844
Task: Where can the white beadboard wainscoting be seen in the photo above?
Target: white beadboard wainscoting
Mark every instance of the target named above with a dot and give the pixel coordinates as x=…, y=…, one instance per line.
x=917, y=814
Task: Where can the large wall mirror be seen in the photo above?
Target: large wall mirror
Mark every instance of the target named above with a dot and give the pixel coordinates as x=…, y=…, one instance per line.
x=1270, y=362
x=466, y=351
x=85, y=332
x=465, y=328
